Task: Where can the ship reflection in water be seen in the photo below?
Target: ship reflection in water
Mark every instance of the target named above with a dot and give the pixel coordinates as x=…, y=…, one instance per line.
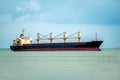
x=24, y=43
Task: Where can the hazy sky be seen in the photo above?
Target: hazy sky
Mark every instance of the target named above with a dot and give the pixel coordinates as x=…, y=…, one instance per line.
x=57, y=16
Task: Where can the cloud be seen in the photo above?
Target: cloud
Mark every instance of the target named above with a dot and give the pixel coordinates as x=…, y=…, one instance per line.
x=28, y=6
x=23, y=18
x=69, y=11
x=27, y=10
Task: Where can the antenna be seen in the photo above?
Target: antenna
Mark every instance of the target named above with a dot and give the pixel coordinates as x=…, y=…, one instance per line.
x=23, y=31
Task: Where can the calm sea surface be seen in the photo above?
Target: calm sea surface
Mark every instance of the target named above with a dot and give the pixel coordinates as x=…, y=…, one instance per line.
x=60, y=65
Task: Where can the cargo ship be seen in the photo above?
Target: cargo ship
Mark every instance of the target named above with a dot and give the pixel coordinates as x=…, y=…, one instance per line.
x=24, y=43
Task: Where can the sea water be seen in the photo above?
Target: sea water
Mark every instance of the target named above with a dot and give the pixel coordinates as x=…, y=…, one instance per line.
x=60, y=65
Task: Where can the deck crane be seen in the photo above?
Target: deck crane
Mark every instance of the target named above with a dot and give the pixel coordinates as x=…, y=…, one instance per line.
x=51, y=38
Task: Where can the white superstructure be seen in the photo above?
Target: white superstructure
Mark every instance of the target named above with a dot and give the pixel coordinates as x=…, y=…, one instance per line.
x=22, y=40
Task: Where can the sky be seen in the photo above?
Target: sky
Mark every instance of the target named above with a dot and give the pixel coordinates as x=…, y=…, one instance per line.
x=57, y=16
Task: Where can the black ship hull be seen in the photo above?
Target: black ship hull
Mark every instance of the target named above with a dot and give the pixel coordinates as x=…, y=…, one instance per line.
x=77, y=46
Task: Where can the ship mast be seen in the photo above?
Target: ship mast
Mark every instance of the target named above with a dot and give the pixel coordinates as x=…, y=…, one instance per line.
x=79, y=36
x=22, y=35
x=23, y=31
x=64, y=37
x=51, y=38
x=38, y=38
x=96, y=36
